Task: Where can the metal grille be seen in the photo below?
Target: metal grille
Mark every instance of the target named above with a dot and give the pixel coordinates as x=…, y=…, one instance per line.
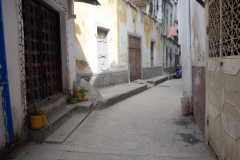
x=229, y=16
x=42, y=54
x=214, y=29
x=230, y=27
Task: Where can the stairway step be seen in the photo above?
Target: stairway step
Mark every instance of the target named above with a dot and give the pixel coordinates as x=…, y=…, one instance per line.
x=118, y=93
x=58, y=117
x=63, y=132
x=157, y=80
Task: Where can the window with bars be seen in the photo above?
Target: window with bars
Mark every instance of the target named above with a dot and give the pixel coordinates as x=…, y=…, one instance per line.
x=152, y=53
x=224, y=40
x=166, y=19
x=42, y=51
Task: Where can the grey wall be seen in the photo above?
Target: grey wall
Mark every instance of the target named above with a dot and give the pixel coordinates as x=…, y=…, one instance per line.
x=151, y=72
x=105, y=79
x=169, y=70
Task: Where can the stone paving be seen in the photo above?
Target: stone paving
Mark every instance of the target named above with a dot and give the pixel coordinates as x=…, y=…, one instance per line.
x=148, y=126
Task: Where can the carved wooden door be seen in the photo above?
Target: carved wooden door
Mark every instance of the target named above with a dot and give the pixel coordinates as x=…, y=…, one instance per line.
x=42, y=51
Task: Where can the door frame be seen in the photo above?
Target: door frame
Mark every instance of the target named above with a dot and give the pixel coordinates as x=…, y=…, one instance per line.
x=138, y=36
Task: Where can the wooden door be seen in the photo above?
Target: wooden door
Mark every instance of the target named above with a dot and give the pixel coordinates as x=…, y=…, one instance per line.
x=135, y=58
x=42, y=51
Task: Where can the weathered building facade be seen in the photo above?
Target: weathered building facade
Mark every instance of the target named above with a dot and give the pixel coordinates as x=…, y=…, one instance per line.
x=164, y=11
x=39, y=38
x=46, y=49
x=171, y=50
x=114, y=38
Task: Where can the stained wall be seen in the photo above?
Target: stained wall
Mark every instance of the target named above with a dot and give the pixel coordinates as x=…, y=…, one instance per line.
x=120, y=18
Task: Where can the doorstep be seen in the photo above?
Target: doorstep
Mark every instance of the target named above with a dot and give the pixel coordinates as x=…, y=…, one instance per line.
x=157, y=80
x=58, y=117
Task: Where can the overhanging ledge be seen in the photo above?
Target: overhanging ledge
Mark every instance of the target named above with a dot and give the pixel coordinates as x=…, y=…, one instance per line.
x=93, y=2
x=202, y=3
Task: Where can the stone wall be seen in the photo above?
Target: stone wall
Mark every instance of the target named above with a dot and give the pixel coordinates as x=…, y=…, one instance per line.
x=168, y=70
x=105, y=79
x=151, y=72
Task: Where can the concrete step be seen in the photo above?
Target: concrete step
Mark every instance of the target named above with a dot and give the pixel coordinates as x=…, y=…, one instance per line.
x=58, y=117
x=63, y=132
x=114, y=94
x=157, y=80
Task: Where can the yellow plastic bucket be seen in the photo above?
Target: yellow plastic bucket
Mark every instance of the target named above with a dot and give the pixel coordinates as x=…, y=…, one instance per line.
x=38, y=122
x=78, y=95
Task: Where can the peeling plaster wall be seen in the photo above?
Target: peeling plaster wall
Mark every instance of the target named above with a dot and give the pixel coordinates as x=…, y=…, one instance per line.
x=88, y=19
x=198, y=31
x=140, y=24
x=121, y=19
x=11, y=20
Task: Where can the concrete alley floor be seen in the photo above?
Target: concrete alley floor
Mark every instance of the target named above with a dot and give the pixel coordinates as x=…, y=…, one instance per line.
x=148, y=126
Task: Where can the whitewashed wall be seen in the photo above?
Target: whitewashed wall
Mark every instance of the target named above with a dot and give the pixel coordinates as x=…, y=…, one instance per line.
x=198, y=30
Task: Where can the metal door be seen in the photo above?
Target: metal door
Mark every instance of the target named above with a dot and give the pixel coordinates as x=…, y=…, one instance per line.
x=223, y=78
x=135, y=58
x=42, y=51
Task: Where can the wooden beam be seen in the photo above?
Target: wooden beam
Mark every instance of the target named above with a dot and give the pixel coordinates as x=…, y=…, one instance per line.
x=201, y=3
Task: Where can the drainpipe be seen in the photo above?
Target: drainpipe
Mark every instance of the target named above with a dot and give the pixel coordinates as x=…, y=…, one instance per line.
x=4, y=87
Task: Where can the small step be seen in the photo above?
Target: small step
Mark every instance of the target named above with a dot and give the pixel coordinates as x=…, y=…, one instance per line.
x=115, y=94
x=63, y=132
x=157, y=80
x=58, y=117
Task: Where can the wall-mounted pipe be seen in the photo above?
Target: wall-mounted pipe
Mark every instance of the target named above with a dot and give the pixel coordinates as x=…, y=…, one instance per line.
x=4, y=83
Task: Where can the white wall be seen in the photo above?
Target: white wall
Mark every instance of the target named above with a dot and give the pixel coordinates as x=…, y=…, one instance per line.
x=184, y=39
x=198, y=31
x=10, y=20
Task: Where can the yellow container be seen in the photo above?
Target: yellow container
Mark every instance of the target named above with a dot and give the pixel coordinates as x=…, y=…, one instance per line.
x=38, y=122
x=79, y=96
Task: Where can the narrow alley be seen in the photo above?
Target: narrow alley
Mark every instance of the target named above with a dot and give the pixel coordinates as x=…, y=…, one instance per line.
x=146, y=126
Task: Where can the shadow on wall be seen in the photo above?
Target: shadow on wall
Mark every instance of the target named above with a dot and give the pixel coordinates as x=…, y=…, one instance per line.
x=83, y=69
x=82, y=64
